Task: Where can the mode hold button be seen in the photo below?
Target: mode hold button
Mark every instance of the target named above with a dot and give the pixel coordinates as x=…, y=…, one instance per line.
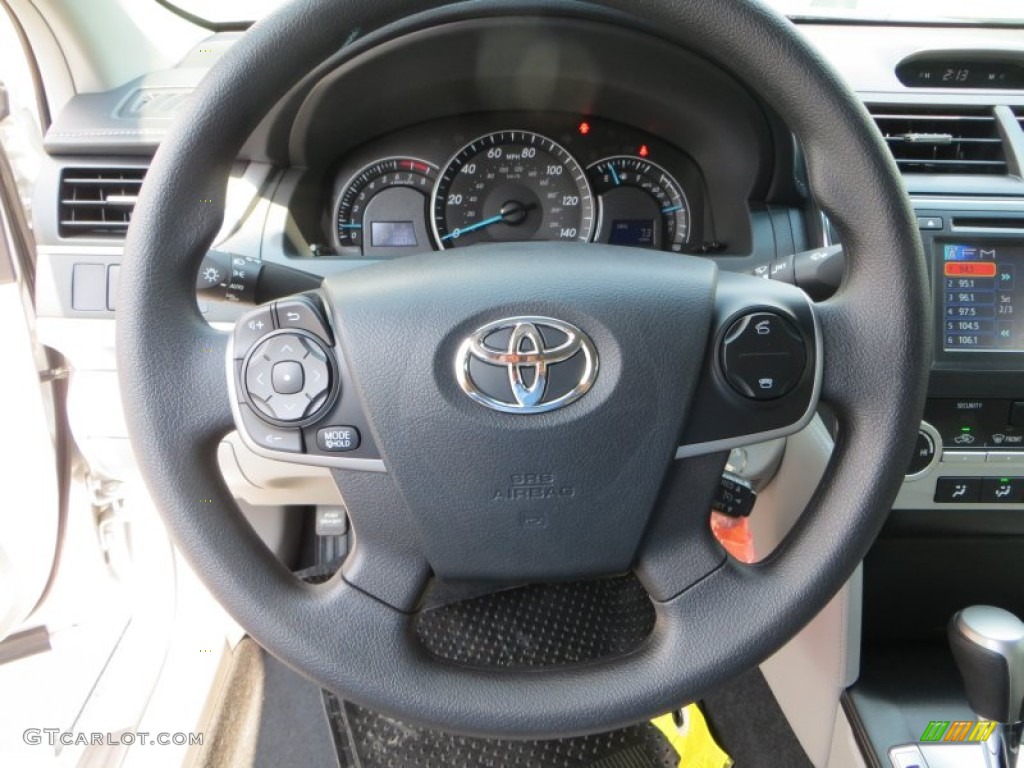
x=337, y=439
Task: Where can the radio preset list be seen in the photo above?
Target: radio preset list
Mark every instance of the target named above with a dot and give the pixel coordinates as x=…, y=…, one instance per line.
x=982, y=297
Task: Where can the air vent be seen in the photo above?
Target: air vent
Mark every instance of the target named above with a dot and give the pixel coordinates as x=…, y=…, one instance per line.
x=961, y=140
x=1019, y=114
x=98, y=201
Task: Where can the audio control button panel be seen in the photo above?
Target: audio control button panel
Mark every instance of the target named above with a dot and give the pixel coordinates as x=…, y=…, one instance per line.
x=291, y=391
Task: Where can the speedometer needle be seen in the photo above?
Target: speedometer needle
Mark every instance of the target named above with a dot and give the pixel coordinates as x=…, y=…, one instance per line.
x=479, y=225
x=513, y=212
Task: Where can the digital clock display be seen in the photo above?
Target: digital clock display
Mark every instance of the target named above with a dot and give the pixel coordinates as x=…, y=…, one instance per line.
x=936, y=73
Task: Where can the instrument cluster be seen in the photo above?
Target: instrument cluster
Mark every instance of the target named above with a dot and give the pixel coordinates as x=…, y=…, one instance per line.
x=515, y=177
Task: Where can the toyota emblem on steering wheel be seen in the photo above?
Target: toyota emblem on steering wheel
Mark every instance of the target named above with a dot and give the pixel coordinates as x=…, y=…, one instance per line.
x=526, y=364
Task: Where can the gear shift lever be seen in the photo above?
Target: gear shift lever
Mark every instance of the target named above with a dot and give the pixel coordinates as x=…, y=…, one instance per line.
x=988, y=646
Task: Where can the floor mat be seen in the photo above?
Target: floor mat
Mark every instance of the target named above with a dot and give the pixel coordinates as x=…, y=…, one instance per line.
x=539, y=625
x=552, y=625
x=747, y=721
x=366, y=739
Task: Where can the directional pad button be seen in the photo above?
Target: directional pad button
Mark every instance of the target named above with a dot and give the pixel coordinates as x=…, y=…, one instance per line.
x=284, y=347
x=288, y=377
x=318, y=376
x=289, y=407
x=258, y=378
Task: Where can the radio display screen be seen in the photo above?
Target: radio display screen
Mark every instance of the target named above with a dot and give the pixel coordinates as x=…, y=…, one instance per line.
x=982, y=297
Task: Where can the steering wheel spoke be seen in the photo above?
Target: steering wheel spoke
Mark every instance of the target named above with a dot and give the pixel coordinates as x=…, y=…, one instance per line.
x=386, y=559
x=679, y=548
x=849, y=338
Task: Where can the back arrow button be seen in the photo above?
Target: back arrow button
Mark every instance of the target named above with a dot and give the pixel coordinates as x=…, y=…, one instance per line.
x=268, y=436
x=302, y=312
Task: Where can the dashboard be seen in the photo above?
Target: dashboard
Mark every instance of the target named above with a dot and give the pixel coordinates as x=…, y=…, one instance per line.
x=513, y=176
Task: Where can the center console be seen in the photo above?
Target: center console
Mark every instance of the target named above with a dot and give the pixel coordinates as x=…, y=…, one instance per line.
x=954, y=536
x=970, y=450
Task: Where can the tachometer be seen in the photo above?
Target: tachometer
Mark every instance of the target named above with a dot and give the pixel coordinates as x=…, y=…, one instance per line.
x=382, y=207
x=642, y=205
x=512, y=185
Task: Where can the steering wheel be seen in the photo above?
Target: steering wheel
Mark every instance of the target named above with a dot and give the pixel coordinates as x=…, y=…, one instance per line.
x=625, y=377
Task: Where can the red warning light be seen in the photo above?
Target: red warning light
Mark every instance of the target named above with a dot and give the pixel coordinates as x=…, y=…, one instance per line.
x=643, y=151
x=584, y=128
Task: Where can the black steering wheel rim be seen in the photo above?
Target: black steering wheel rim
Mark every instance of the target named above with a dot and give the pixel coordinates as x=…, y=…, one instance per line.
x=171, y=366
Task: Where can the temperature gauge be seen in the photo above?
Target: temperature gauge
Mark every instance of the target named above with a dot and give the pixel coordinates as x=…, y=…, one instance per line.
x=642, y=205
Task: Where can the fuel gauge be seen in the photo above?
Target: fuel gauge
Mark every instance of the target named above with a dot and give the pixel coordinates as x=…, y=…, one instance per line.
x=641, y=204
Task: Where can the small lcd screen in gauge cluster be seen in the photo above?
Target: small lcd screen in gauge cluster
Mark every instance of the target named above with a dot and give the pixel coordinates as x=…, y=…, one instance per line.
x=392, y=234
x=636, y=232
x=982, y=297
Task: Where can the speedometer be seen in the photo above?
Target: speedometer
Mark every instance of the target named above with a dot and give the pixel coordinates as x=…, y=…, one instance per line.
x=512, y=185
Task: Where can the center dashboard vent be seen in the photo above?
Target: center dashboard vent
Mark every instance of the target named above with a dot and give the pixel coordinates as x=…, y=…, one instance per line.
x=98, y=202
x=958, y=140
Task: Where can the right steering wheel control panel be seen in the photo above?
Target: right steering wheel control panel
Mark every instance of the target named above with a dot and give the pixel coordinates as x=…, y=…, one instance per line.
x=763, y=355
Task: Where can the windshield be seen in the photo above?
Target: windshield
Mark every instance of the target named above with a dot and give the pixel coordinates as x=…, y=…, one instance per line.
x=929, y=11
